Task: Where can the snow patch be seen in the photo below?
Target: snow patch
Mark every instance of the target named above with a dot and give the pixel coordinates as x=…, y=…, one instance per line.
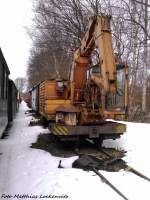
x=24, y=170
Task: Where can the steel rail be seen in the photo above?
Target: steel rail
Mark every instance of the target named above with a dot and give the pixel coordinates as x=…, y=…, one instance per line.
x=105, y=180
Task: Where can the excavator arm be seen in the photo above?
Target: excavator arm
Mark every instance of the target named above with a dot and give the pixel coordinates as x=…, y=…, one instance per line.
x=99, y=37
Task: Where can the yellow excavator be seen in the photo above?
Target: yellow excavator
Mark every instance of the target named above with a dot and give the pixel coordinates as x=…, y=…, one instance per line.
x=97, y=90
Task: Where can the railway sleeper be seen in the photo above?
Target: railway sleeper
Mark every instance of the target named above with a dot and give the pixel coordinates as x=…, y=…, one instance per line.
x=87, y=162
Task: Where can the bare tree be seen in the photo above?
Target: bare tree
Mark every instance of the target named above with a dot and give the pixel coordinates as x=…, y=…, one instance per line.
x=60, y=25
x=145, y=8
x=21, y=84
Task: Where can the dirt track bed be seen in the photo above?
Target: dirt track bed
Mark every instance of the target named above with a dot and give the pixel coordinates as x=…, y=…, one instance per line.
x=108, y=159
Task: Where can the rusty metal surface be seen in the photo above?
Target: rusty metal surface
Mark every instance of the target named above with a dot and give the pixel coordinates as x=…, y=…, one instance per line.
x=49, y=99
x=108, y=130
x=68, y=109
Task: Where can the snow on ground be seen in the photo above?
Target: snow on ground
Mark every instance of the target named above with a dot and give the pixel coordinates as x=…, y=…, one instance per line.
x=33, y=172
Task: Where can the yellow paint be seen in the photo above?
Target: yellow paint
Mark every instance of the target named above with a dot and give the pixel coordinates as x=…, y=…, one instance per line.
x=60, y=130
x=120, y=128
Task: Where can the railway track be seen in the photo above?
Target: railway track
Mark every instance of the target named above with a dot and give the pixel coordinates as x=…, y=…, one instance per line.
x=105, y=180
x=90, y=158
x=109, y=160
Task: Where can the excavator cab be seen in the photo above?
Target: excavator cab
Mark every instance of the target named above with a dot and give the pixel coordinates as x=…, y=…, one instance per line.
x=96, y=69
x=117, y=102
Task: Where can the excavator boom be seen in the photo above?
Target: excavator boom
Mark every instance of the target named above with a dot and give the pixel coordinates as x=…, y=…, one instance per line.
x=97, y=36
x=97, y=91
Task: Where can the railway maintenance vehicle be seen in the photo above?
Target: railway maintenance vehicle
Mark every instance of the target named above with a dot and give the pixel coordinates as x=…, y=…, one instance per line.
x=95, y=94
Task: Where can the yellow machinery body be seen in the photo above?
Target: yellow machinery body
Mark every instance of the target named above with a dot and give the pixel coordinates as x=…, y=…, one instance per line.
x=94, y=92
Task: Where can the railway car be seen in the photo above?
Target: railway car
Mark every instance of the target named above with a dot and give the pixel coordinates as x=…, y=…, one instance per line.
x=27, y=98
x=13, y=100
x=9, y=101
x=46, y=96
x=35, y=98
x=4, y=73
x=52, y=94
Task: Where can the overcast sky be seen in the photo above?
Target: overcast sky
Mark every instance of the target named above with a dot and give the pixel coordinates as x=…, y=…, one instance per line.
x=15, y=43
